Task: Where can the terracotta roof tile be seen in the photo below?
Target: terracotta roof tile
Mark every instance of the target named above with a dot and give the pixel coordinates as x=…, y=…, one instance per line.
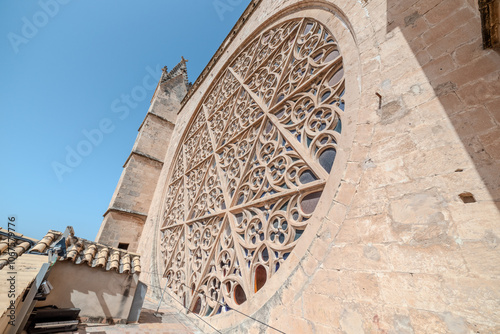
x=18, y=244
x=74, y=250
x=43, y=244
x=90, y=253
x=126, y=263
x=102, y=257
x=4, y=244
x=114, y=264
x=137, y=264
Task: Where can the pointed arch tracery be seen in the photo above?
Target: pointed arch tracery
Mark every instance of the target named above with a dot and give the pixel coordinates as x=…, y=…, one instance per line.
x=252, y=166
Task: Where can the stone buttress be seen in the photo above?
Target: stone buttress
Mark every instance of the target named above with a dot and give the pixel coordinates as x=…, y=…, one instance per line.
x=124, y=220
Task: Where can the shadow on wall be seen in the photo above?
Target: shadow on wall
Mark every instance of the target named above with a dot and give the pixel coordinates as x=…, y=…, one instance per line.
x=445, y=37
x=149, y=317
x=101, y=295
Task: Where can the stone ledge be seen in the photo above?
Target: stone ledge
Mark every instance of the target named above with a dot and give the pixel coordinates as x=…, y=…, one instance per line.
x=140, y=215
x=161, y=118
x=144, y=155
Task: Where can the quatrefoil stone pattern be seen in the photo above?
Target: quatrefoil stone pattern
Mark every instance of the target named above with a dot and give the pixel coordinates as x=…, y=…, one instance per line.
x=252, y=165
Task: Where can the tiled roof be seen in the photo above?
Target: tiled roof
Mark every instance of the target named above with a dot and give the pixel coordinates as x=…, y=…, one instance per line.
x=95, y=255
x=78, y=251
x=19, y=245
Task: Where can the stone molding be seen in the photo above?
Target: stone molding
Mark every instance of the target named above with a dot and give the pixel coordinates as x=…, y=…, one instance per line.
x=141, y=215
x=165, y=121
x=144, y=155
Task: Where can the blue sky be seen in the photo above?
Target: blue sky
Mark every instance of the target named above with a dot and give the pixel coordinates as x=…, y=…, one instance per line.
x=62, y=64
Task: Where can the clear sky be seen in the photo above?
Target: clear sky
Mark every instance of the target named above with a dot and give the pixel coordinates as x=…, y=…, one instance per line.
x=63, y=63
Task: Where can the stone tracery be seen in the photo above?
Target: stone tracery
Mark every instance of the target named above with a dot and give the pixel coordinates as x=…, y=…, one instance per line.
x=252, y=166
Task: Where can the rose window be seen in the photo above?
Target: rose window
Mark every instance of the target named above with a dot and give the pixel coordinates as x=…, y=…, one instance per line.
x=252, y=165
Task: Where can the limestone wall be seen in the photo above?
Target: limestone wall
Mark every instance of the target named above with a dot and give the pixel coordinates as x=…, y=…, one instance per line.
x=128, y=208
x=119, y=227
x=152, y=136
x=135, y=188
x=400, y=246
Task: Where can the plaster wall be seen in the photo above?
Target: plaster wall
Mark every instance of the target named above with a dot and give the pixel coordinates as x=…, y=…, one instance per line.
x=101, y=295
x=393, y=248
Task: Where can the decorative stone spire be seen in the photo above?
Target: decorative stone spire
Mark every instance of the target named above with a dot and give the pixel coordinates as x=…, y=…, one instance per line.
x=179, y=69
x=164, y=74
